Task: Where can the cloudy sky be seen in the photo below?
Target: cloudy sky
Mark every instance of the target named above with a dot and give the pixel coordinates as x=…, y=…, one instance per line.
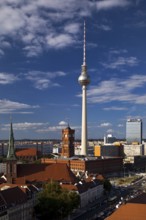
x=40, y=62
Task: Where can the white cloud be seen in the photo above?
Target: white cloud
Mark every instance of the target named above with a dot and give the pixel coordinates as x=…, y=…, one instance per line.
x=109, y=4
x=56, y=128
x=3, y=45
x=110, y=131
x=105, y=124
x=38, y=127
x=43, y=80
x=10, y=20
x=6, y=78
x=28, y=38
x=121, y=62
x=33, y=50
x=121, y=90
x=58, y=41
x=40, y=80
x=55, y=4
x=120, y=51
x=104, y=27
x=114, y=108
x=25, y=126
x=120, y=125
x=33, y=23
x=42, y=83
x=62, y=123
x=7, y=106
x=10, y=1
x=72, y=28
x=50, y=128
x=1, y=52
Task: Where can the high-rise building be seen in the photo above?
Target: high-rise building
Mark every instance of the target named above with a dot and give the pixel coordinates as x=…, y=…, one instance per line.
x=84, y=80
x=134, y=131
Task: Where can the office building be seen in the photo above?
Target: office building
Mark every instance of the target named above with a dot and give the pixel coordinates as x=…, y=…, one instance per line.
x=134, y=131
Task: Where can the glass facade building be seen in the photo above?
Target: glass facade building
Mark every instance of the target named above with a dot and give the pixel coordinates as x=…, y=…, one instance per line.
x=134, y=131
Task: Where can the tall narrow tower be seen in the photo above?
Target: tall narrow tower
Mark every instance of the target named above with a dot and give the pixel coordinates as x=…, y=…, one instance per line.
x=68, y=142
x=11, y=167
x=11, y=149
x=84, y=80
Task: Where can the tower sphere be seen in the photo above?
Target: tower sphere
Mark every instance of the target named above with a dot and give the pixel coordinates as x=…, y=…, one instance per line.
x=84, y=80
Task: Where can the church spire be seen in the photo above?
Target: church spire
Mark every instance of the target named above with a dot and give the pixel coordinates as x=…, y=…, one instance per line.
x=11, y=149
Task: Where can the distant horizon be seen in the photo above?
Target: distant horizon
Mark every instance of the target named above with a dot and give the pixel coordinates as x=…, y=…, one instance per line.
x=53, y=139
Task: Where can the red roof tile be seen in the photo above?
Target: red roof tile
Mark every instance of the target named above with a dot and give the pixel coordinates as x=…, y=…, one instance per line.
x=26, y=152
x=135, y=209
x=44, y=172
x=130, y=211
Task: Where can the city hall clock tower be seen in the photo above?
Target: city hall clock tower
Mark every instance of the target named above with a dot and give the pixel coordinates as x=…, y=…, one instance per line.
x=68, y=142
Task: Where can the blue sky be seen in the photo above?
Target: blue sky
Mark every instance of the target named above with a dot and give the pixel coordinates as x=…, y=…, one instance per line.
x=40, y=62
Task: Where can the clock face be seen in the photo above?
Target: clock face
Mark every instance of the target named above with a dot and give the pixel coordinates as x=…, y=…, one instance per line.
x=66, y=135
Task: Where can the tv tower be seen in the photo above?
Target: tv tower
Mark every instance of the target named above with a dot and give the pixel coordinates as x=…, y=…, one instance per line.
x=84, y=80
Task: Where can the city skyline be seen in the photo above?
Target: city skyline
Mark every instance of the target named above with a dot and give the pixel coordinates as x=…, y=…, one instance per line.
x=41, y=46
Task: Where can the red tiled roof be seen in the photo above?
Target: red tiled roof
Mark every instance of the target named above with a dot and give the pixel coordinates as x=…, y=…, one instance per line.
x=130, y=211
x=98, y=177
x=135, y=209
x=76, y=187
x=44, y=172
x=26, y=152
x=82, y=186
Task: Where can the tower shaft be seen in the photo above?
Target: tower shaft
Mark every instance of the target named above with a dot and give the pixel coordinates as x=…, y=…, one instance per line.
x=84, y=122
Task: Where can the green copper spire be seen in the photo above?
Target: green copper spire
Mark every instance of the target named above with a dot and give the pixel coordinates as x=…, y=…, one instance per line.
x=11, y=150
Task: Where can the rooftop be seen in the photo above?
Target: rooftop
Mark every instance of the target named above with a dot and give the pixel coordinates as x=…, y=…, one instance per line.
x=44, y=172
x=26, y=152
x=135, y=209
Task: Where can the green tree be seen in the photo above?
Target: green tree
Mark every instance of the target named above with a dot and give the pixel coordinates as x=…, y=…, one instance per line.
x=55, y=203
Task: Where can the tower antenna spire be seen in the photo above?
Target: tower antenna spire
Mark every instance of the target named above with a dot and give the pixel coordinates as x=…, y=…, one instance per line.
x=84, y=46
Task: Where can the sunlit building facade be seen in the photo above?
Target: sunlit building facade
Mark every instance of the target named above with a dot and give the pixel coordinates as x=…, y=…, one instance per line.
x=134, y=131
